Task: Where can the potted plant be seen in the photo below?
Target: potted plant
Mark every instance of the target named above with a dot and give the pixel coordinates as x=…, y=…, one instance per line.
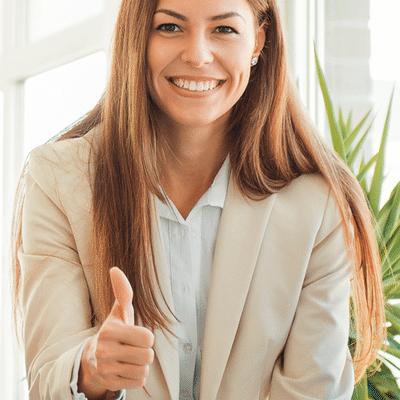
x=348, y=143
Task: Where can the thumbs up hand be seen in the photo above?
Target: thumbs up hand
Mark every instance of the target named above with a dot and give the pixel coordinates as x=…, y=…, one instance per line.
x=119, y=355
x=123, y=294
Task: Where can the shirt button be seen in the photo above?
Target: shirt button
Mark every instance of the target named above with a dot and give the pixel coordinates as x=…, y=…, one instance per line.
x=186, y=289
x=187, y=347
x=193, y=234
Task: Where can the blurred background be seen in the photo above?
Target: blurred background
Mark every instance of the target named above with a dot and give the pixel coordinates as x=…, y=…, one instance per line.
x=54, y=62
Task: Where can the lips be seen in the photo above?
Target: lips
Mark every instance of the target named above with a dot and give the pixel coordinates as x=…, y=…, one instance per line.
x=193, y=86
x=198, y=85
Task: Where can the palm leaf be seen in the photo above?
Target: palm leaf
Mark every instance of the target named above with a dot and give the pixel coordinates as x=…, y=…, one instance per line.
x=337, y=138
x=342, y=124
x=361, y=390
x=352, y=154
x=381, y=385
x=376, y=184
x=349, y=121
x=365, y=168
x=394, y=213
x=393, y=244
x=352, y=136
x=383, y=214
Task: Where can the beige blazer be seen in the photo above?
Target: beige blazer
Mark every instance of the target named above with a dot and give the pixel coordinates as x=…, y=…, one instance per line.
x=277, y=320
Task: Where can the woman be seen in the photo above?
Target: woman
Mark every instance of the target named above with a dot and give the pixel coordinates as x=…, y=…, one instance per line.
x=235, y=229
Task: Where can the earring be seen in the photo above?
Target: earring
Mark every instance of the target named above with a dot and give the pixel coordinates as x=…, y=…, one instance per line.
x=254, y=61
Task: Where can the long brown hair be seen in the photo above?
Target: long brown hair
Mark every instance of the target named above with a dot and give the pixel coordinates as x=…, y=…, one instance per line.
x=273, y=142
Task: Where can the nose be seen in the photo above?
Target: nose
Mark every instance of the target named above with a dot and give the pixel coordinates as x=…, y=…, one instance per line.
x=197, y=51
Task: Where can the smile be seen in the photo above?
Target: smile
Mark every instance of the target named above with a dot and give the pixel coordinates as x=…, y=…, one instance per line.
x=194, y=86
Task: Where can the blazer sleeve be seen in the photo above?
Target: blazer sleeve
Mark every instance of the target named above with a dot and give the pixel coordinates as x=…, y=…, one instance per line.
x=316, y=362
x=55, y=297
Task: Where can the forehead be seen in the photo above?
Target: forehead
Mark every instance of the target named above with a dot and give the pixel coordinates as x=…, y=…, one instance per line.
x=206, y=9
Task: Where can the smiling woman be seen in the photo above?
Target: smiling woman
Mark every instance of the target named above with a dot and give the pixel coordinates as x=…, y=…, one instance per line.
x=238, y=234
x=212, y=51
x=198, y=61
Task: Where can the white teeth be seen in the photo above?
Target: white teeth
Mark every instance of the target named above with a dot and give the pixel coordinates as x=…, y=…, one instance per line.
x=194, y=86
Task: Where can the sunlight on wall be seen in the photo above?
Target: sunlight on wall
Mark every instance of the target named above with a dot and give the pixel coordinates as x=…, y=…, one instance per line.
x=59, y=15
x=384, y=24
x=385, y=72
x=57, y=98
x=1, y=174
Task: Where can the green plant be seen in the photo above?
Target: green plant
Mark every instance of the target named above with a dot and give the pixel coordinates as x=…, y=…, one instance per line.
x=381, y=385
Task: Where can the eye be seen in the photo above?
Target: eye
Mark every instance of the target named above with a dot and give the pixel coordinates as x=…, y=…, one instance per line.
x=168, y=28
x=172, y=28
x=226, y=29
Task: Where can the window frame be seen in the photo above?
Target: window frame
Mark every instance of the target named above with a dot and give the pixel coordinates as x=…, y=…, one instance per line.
x=305, y=27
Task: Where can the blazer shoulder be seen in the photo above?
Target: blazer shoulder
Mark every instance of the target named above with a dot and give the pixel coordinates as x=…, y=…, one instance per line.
x=309, y=185
x=308, y=191
x=68, y=154
x=64, y=167
x=308, y=201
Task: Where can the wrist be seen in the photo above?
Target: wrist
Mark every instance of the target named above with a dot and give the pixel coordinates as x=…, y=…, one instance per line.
x=86, y=380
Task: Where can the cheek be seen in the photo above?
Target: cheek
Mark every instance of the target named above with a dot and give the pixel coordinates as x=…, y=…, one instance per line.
x=157, y=56
x=239, y=58
x=239, y=69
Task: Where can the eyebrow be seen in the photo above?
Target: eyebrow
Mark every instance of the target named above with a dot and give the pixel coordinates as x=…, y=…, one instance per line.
x=214, y=18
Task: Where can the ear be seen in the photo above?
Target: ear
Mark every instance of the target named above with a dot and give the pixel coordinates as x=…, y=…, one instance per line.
x=260, y=40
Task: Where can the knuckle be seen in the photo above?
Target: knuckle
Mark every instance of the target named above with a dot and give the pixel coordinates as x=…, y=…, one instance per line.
x=145, y=370
x=102, y=368
x=150, y=338
x=99, y=353
x=103, y=333
x=146, y=336
x=149, y=357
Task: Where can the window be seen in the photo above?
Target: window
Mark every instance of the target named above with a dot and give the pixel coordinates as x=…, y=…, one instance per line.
x=53, y=68
x=361, y=66
x=46, y=17
x=305, y=26
x=385, y=74
x=56, y=98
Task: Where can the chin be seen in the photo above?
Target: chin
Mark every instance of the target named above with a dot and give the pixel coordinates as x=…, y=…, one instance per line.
x=194, y=120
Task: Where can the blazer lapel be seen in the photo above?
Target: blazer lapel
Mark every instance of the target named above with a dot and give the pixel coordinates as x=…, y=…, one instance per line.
x=166, y=351
x=242, y=226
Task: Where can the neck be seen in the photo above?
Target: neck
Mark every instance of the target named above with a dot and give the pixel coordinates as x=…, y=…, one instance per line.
x=193, y=154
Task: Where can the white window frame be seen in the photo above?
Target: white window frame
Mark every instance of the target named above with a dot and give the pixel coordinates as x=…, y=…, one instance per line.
x=305, y=25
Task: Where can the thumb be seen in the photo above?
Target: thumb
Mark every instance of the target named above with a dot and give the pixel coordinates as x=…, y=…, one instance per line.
x=123, y=293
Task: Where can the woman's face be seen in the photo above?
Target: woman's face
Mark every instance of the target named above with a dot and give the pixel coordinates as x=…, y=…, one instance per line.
x=199, y=58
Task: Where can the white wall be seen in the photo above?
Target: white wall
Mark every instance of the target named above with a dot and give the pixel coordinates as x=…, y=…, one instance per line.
x=348, y=50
